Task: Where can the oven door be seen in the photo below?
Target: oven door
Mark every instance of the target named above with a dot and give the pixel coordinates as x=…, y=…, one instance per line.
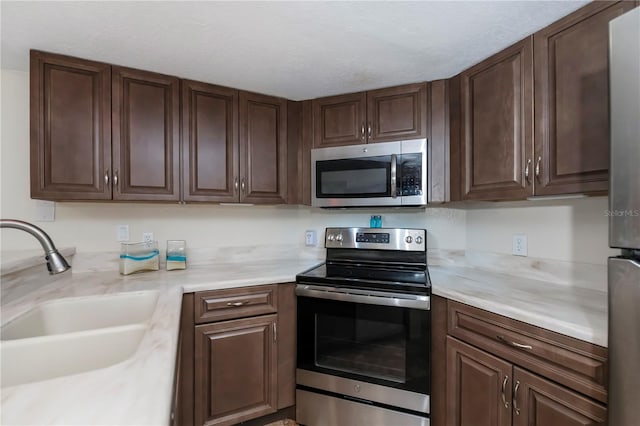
x=381, y=339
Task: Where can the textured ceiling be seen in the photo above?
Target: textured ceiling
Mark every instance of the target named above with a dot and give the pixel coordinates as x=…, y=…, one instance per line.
x=298, y=50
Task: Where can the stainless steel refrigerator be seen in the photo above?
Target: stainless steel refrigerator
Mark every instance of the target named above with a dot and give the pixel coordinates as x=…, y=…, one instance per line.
x=624, y=221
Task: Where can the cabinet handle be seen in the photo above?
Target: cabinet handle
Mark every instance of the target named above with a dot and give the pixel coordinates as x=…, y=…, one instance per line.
x=106, y=177
x=235, y=184
x=369, y=131
x=526, y=170
x=515, y=398
x=538, y=169
x=362, y=131
x=236, y=304
x=275, y=332
x=115, y=178
x=514, y=344
x=242, y=185
x=504, y=388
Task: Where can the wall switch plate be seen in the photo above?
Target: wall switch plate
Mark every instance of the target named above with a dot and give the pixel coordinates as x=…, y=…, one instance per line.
x=310, y=238
x=45, y=211
x=147, y=237
x=519, y=245
x=123, y=233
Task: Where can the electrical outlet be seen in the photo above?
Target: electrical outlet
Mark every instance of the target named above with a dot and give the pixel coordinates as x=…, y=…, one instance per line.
x=147, y=237
x=519, y=245
x=310, y=238
x=122, y=233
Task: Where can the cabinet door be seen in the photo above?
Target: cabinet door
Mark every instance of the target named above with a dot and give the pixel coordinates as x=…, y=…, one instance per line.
x=210, y=143
x=263, y=149
x=397, y=113
x=572, y=101
x=478, y=387
x=539, y=402
x=70, y=128
x=235, y=370
x=497, y=113
x=146, y=120
x=340, y=120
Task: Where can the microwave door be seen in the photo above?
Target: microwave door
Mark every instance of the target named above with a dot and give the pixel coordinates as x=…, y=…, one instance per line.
x=356, y=181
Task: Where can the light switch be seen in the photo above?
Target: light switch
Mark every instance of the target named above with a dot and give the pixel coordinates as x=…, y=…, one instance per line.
x=45, y=211
x=123, y=233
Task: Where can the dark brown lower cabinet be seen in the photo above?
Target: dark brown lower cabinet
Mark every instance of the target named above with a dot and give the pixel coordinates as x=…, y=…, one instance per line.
x=484, y=390
x=239, y=364
x=539, y=402
x=235, y=370
x=478, y=387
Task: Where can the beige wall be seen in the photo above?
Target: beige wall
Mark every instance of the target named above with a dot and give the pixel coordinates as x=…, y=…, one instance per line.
x=571, y=230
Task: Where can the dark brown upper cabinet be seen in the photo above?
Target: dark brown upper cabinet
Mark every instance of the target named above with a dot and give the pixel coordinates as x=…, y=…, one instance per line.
x=561, y=75
x=339, y=120
x=234, y=145
x=100, y=132
x=210, y=156
x=397, y=113
x=497, y=135
x=572, y=101
x=263, y=149
x=70, y=128
x=382, y=115
x=146, y=135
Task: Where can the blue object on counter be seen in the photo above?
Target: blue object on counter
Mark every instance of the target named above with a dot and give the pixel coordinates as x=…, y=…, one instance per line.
x=375, y=221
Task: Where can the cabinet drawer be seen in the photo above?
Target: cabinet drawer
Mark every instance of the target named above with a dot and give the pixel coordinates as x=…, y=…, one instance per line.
x=577, y=364
x=217, y=305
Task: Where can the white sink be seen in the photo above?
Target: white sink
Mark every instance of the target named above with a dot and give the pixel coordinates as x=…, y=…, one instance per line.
x=74, y=335
x=36, y=359
x=82, y=313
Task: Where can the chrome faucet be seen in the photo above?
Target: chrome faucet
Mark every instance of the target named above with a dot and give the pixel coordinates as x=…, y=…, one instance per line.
x=55, y=262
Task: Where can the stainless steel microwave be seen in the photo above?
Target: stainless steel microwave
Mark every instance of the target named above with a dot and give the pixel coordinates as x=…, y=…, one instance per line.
x=379, y=174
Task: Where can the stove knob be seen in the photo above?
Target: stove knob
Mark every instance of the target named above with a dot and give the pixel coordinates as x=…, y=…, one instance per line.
x=339, y=237
x=418, y=240
x=330, y=237
x=408, y=239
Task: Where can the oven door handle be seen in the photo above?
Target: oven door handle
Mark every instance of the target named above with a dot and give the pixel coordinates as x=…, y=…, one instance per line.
x=366, y=297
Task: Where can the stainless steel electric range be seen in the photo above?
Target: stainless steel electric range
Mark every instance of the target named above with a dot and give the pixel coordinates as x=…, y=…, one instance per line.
x=364, y=330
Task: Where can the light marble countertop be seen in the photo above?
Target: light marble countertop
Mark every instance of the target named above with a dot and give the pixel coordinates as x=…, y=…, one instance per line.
x=574, y=311
x=139, y=390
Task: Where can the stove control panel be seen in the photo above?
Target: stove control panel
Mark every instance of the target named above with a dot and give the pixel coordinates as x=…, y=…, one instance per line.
x=401, y=239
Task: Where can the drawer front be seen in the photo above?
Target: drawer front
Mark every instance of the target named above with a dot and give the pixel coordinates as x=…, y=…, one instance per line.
x=577, y=364
x=218, y=305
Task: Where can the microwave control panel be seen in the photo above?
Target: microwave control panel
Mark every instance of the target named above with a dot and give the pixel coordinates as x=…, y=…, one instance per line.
x=410, y=175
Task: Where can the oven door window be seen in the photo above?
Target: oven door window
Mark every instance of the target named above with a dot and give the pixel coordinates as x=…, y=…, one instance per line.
x=377, y=344
x=354, y=178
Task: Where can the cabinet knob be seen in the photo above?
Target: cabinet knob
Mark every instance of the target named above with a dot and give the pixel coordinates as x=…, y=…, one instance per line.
x=106, y=177
x=526, y=170
x=369, y=131
x=115, y=178
x=538, y=168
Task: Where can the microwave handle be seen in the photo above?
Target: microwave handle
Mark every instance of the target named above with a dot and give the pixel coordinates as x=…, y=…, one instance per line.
x=394, y=171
